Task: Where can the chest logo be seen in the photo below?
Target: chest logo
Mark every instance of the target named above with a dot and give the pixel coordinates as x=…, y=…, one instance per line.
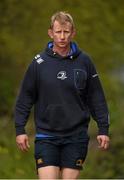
x=61, y=75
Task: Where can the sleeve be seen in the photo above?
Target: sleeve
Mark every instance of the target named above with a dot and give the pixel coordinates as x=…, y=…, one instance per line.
x=97, y=102
x=26, y=99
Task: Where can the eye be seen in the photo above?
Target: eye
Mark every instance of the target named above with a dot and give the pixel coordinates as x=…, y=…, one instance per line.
x=58, y=32
x=67, y=32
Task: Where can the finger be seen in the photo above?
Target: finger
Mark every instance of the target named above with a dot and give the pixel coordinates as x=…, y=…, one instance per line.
x=22, y=146
x=106, y=145
x=27, y=144
x=103, y=143
x=25, y=147
x=99, y=141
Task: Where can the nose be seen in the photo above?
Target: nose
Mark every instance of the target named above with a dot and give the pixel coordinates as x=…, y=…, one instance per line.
x=62, y=35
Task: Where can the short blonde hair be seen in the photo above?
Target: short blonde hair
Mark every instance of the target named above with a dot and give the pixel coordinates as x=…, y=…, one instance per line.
x=62, y=17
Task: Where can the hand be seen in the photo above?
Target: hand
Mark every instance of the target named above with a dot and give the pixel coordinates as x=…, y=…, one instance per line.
x=22, y=142
x=103, y=141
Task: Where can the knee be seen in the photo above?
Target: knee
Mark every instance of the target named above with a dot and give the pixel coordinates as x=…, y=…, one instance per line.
x=68, y=173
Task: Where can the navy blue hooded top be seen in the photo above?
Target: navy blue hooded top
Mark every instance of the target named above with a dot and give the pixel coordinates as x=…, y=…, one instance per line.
x=65, y=91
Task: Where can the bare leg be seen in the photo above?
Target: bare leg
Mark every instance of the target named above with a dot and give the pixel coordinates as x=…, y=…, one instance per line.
x=48, y=172
x=68, y=173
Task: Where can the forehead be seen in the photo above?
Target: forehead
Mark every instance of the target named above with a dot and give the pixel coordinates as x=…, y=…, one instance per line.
x=64, y=25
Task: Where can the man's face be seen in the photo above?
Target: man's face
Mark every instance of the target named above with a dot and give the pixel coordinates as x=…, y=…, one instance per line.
x=61, y=34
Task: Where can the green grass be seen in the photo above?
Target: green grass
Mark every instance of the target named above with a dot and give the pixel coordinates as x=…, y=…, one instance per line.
x=14, y=163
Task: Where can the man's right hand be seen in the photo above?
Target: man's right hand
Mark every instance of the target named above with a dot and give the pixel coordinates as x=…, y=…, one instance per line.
x=22, y=142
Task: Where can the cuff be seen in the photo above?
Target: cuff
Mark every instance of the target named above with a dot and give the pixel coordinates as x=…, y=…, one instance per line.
x=103, y=131
x=20, y=130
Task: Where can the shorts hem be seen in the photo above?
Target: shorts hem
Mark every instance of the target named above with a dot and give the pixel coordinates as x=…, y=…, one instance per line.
x=71, y=167
x=44, y=165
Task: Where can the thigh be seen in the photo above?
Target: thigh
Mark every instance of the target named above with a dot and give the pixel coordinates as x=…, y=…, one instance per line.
x=48, y=172
x=73, y=155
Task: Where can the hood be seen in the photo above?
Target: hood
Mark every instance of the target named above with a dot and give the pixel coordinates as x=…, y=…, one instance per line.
x=75, y=51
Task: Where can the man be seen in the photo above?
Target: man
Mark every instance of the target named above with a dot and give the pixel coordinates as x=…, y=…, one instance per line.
x=65, y=89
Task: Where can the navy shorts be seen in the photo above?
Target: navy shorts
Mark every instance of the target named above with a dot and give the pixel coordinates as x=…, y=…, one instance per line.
x=63, y=152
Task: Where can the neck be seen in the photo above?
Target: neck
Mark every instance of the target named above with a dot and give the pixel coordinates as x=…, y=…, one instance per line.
x=63, y=51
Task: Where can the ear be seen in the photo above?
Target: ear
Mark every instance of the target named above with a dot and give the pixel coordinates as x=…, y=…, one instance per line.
x=73, y=33
x=50, y=33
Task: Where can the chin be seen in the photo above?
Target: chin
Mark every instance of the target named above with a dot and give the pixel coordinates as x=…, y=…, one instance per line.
x=62, y=45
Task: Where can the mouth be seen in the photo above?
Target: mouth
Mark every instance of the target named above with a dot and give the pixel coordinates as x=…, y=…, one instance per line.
x=62, y=42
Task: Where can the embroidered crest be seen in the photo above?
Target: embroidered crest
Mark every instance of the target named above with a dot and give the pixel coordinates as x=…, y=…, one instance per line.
x=39, y=161
x=62, y=75
x=79, y=162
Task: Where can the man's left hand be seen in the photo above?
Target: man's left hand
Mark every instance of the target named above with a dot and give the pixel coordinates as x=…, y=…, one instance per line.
x=103, y=141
